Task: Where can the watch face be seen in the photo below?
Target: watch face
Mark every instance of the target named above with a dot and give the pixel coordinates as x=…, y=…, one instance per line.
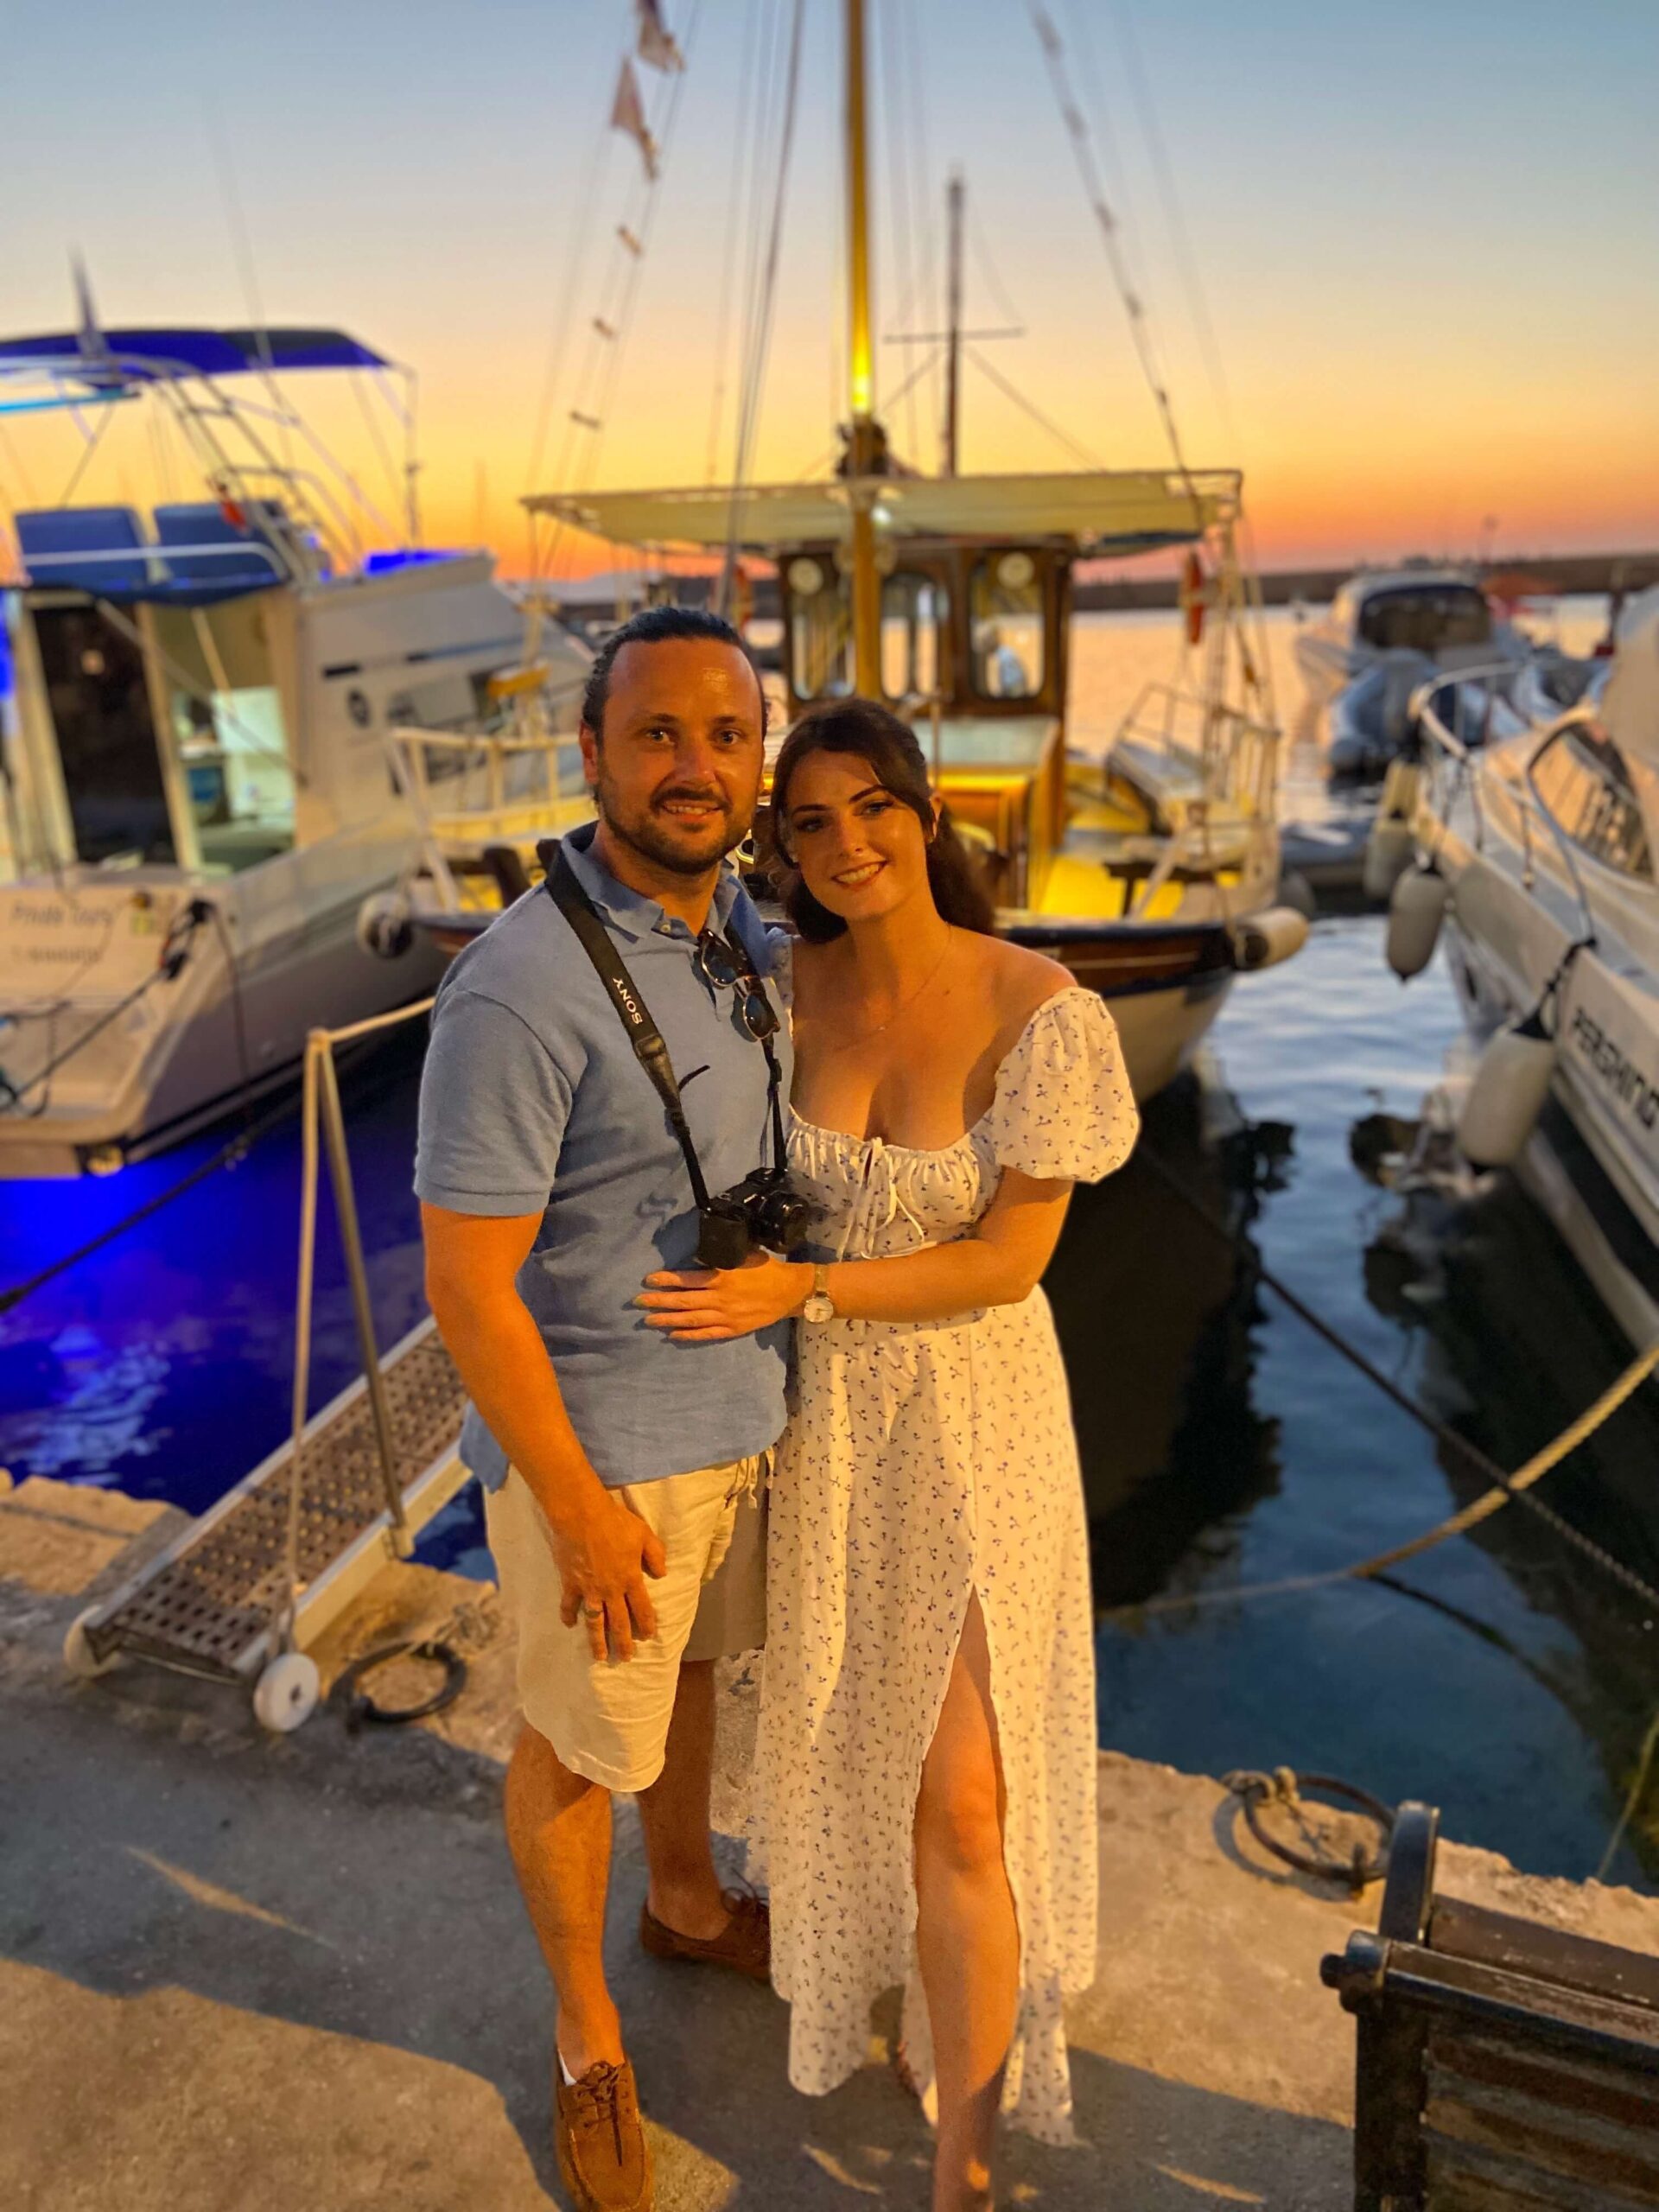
x=818, y=1308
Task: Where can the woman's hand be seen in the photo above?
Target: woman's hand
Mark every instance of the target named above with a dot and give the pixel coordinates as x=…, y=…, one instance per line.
x=704, y=1306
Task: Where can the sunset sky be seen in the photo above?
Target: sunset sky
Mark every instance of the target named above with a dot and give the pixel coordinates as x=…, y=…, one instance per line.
x=1425, y=237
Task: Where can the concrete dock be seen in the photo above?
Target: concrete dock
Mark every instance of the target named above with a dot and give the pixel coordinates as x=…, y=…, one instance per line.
x=292, y=1974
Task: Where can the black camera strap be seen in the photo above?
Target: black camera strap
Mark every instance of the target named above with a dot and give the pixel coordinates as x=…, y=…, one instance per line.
x=644, y=1035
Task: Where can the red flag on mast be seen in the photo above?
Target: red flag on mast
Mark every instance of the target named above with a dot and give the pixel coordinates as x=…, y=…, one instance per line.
x=628, y=116
x=656, y=44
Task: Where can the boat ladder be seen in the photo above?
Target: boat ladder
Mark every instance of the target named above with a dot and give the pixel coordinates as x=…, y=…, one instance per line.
x=240, y=1594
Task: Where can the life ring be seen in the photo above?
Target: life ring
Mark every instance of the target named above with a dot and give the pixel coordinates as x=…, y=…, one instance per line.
x=1192, y=596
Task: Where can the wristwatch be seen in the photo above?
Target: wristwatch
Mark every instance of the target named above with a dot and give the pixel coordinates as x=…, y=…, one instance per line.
x=819, y=1307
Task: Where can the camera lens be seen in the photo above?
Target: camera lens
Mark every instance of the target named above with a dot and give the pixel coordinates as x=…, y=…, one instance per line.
x=723, y=1239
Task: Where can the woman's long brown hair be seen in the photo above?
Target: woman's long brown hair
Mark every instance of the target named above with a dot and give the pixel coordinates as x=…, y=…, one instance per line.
x=861, y=727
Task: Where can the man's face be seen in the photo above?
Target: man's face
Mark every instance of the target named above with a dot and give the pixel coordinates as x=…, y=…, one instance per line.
x=677, y=774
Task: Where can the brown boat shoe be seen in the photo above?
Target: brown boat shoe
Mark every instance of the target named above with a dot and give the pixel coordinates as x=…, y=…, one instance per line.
x=604, y=2159
x=746, y=1946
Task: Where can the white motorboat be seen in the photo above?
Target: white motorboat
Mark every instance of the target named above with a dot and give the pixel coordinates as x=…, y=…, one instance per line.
x=1384, y=636
x=203, y=824
x=1546, y=841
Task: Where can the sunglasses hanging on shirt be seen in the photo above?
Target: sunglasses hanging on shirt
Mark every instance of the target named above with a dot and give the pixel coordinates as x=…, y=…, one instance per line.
x=765, y=1211
x=718, y=965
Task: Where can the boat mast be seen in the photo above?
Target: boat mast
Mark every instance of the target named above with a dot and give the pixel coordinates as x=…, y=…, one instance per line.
x=953, y=200
x=864, y=443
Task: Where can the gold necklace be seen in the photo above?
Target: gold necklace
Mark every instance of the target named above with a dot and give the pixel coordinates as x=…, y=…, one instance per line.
x=840, y=1044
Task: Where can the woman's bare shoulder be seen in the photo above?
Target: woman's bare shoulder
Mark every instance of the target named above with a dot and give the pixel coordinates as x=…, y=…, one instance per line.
x=1017, y=981
x=809, y=964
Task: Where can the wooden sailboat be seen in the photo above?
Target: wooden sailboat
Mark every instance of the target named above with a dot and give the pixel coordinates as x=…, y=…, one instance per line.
x=1152, y=875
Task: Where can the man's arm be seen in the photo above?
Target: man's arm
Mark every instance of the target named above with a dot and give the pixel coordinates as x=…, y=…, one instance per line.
x=604, y=1551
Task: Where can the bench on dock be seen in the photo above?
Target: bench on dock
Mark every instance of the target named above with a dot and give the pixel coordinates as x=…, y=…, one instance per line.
x=1503, y=2066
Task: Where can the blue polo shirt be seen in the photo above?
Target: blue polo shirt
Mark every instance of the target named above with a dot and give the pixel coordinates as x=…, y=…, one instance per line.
x=532, y=1101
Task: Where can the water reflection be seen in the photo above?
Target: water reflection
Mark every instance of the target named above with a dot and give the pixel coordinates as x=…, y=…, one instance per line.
x=1154, y=1310
x=1480, y=1278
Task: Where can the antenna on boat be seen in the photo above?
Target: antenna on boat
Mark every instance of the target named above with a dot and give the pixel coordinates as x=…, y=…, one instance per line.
x=865, y=439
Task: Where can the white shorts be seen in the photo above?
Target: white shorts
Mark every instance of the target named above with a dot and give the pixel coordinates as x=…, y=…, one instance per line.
x=608, y=1719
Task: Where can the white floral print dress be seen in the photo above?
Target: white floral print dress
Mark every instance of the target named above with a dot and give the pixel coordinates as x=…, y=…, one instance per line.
x=924, y=1462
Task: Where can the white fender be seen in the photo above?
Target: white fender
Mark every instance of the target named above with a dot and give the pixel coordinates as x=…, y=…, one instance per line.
x=1263, y=940
x=1416, y=912
x=1388, y=848
x=383, y=926
x=1507, y=1094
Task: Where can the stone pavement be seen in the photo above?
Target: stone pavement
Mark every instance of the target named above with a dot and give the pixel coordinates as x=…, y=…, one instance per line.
x=240, y=1973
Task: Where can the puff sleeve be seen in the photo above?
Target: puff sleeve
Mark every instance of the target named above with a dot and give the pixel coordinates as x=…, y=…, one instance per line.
x=1064, y=1108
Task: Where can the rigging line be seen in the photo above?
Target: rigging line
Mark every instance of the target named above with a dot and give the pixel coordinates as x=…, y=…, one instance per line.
x=741, y=150
x=592, y=175
x=930, y=276
x=83, y=463
x=618, y=347
x=980, y=242
x=242, y=253
x=1107, y=222
x=9, y=447
x=1113, y=164
x=1186, y=260
x=394, y=477
x=625, y=315
x=1011, y=391
x=764, y=165
x=750, y=412
x=898, y=212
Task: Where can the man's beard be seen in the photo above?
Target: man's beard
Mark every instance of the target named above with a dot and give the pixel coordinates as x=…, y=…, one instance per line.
x=656, y=841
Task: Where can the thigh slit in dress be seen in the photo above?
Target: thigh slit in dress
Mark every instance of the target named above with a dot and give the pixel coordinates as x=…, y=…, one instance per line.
x=926, y=1464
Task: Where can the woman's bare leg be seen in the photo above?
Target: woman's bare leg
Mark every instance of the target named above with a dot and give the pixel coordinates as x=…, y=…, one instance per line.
x=967, y=1935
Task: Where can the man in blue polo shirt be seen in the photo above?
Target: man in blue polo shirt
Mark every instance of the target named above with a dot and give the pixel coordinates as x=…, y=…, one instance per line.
x=621, y=1467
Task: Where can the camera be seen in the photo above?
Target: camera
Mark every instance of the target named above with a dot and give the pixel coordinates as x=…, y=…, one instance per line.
x=764, y=1212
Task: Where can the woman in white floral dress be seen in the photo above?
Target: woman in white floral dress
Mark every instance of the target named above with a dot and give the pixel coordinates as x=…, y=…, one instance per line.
x=926, y=1766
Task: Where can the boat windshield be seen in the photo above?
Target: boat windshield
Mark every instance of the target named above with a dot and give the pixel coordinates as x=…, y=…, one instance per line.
x=1583, y=780
x=227, y=731
x=1425, y=618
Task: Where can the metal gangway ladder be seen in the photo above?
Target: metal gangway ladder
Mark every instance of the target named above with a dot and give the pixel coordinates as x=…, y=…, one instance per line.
x=239, y=1595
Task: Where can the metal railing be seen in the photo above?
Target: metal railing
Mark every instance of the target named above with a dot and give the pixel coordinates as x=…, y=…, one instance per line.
x=1233, y=756
x=1467, y=755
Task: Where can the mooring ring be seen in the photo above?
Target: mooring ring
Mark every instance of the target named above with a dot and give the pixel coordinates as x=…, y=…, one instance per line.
x=360, y=1707
x=1284, y=1787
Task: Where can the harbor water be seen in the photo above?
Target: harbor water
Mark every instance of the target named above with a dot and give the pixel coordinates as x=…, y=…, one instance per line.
x=1224, y=1443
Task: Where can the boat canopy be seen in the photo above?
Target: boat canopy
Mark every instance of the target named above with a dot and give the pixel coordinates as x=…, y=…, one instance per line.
x=150, y=356
x=1111, y=511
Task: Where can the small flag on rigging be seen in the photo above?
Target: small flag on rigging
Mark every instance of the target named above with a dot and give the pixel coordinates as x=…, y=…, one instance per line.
x=628, y=116
x=657, y=44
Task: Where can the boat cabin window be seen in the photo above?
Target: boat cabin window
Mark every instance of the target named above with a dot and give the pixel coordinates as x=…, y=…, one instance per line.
x=228, y=732
x=1582, y=779
x=1006, y=614
x=1426, y=617
x=914, y=612
x=820, y=630
x=100, y=703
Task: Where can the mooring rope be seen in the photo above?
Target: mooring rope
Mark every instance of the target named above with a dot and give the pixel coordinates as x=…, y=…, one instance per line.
x=1504, y=1488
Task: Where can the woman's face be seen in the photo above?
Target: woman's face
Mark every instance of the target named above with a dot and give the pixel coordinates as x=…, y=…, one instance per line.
x=860, y=850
